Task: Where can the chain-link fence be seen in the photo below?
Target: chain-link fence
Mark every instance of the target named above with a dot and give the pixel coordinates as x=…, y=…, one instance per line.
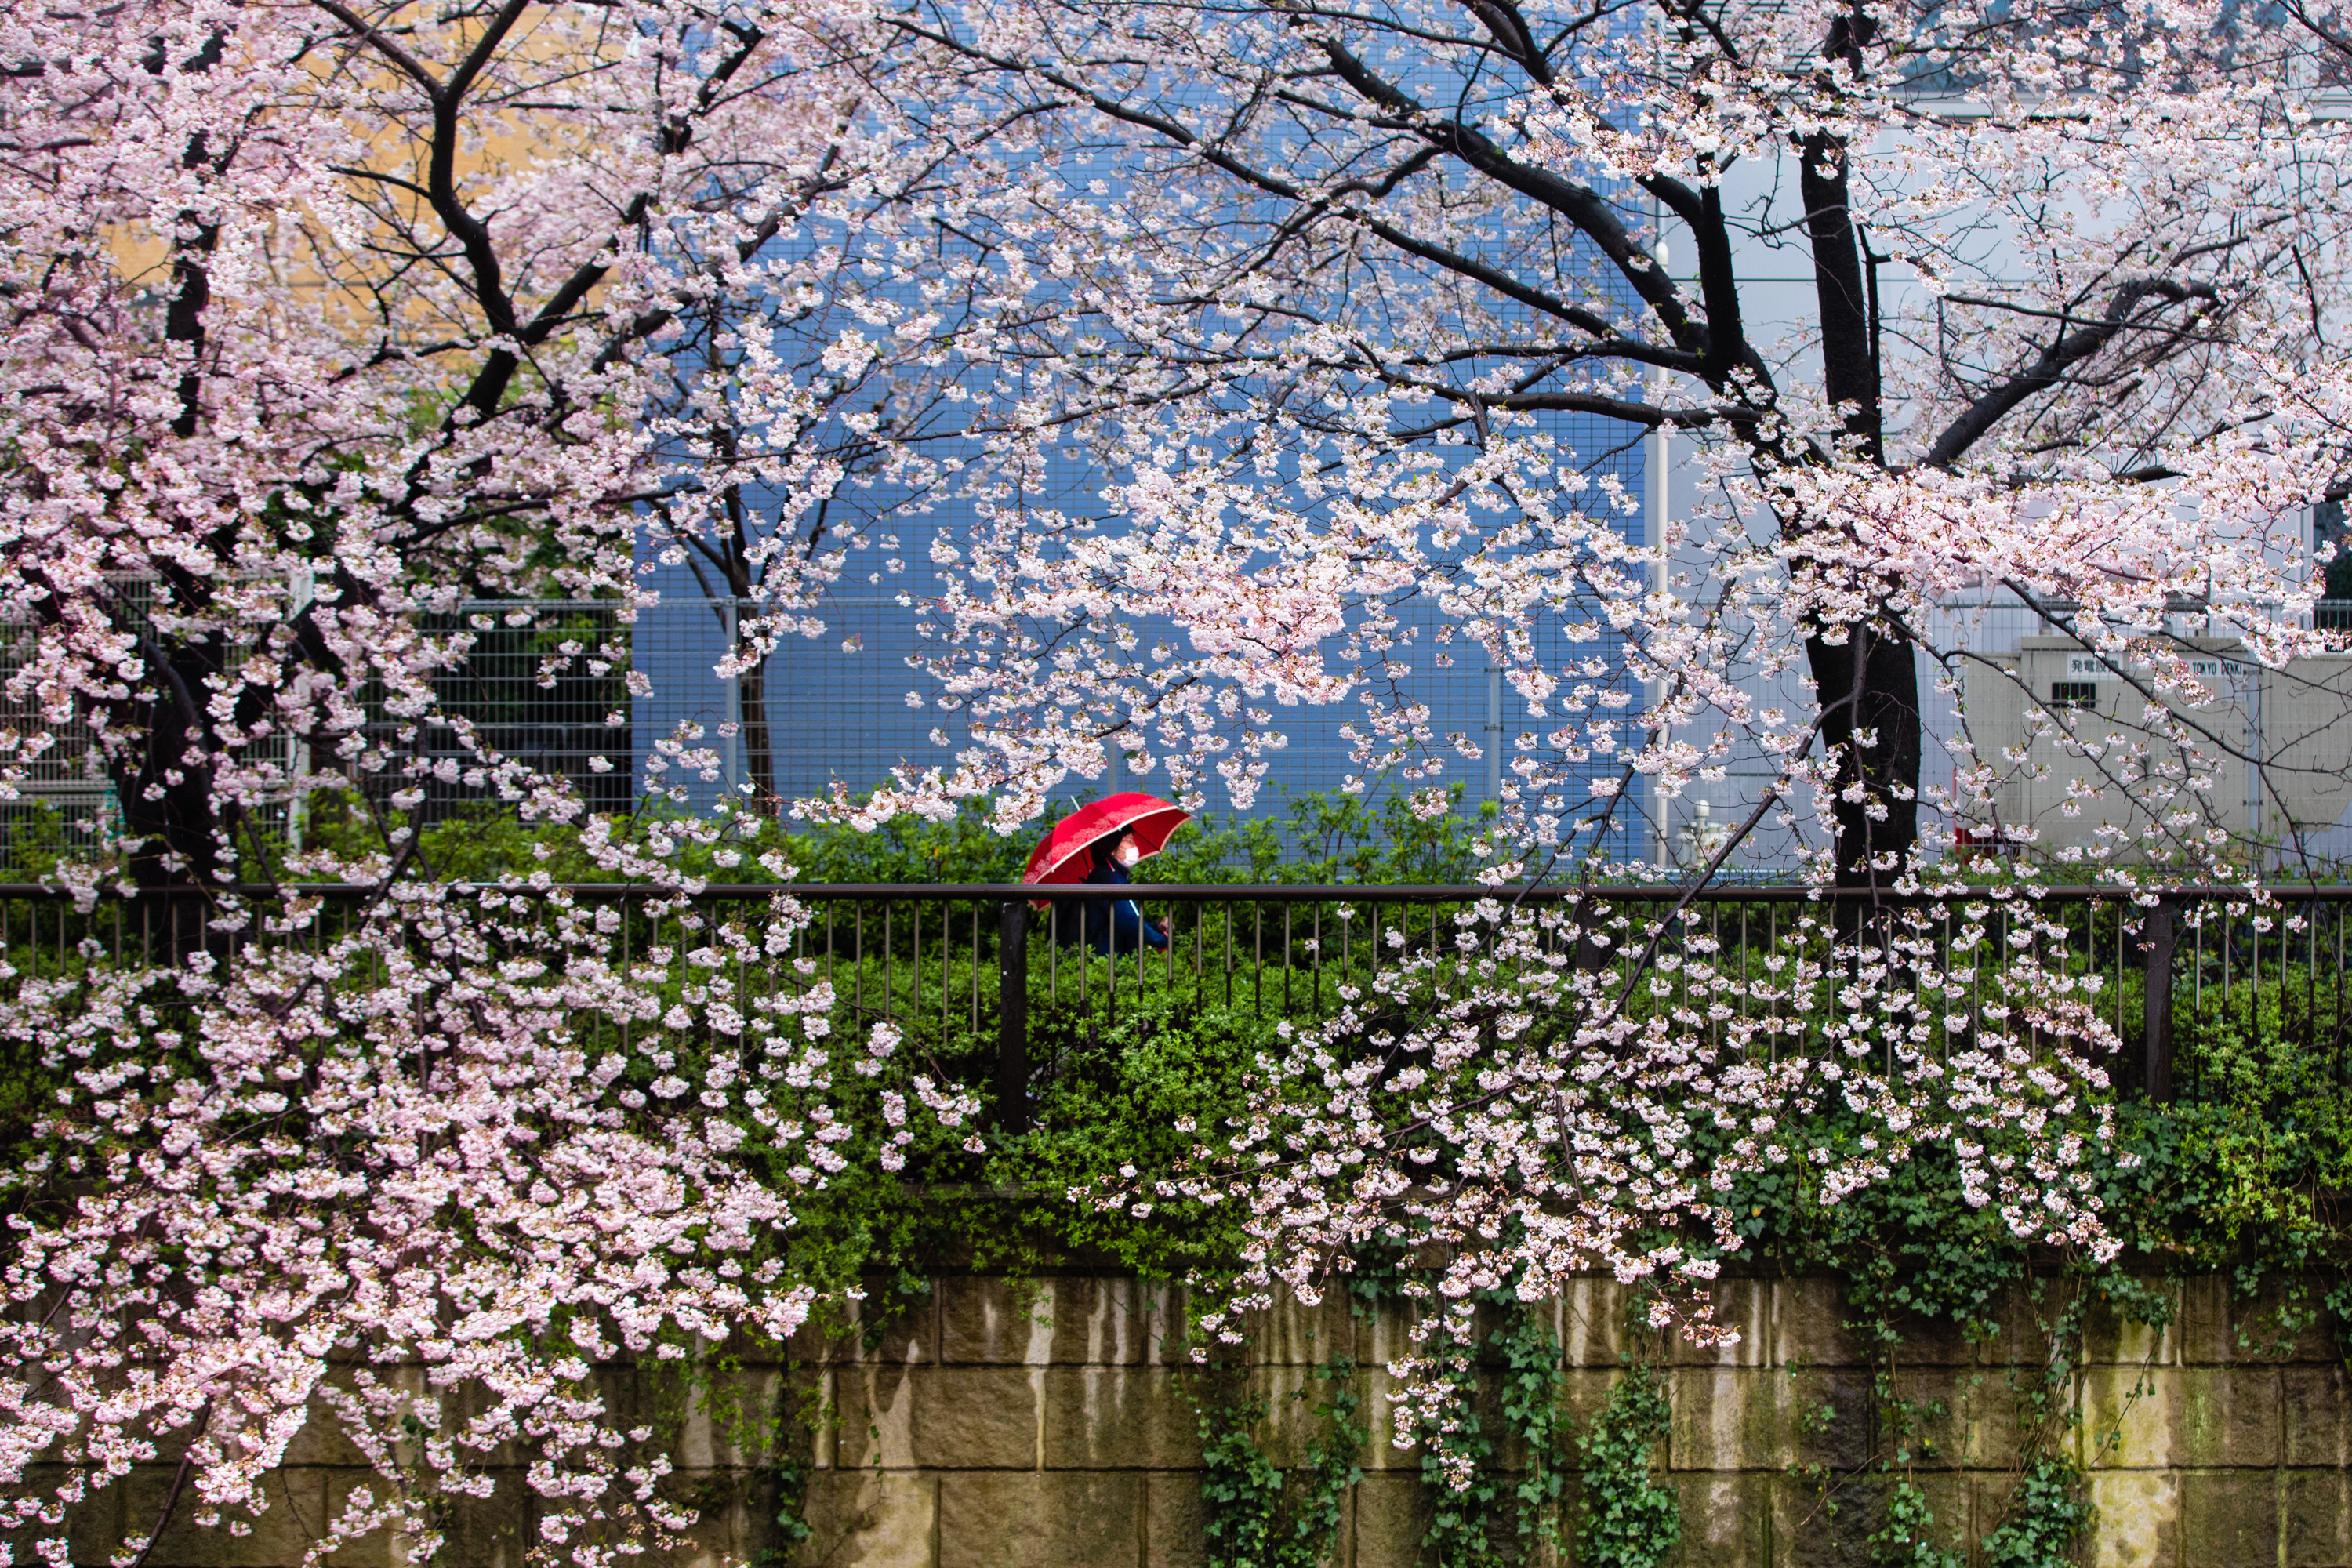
x=847, y=707
x=550, y=683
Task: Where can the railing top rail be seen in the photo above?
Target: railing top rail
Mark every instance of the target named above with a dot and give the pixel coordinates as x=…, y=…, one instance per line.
x=1220, y=892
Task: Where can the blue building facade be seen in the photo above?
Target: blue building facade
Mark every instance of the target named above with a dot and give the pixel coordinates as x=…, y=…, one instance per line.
x=845, y=707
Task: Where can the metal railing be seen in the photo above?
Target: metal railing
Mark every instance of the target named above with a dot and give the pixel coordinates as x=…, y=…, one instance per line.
x=973, y=967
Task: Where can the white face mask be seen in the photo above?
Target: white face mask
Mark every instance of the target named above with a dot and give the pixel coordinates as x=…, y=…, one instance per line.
x=1128, y=855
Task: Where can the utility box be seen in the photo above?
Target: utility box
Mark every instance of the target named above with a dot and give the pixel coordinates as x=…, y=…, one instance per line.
x=2082, y=769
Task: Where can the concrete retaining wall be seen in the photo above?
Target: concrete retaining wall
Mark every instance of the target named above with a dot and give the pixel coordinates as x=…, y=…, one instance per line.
x=1052, y=1424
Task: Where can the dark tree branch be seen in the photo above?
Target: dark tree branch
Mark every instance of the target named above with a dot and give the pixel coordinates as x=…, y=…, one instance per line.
x=2055, y=360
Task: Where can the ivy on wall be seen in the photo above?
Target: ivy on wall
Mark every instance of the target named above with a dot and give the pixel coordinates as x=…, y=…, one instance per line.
x=1258, y=1515
x=1628, y=1519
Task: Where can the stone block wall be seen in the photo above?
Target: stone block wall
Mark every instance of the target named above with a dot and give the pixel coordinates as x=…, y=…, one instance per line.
x=1054, y=1424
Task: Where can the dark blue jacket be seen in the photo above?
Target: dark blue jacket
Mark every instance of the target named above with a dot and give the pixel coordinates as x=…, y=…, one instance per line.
x=1117, y=919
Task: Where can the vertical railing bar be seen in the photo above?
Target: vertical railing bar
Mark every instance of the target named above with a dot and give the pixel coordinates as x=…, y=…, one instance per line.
x=1229, y=953
x=1887, y=963
x=1257, y=959
x=1286, y=960
x=975, y=967
x=2093, y=907
x=2311, y=974
x=1833, y=967
x=2121, y=920
x=1976, y=978
x=2253, y=975
x=2201, y=989
x=1944, y=972
x=1675, y=942
x=1200, y=940
x=1715, y=962
x=1013, y=1017
x=2160, y=934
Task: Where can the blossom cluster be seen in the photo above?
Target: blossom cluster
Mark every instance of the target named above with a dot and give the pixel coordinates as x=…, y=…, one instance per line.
x=424, y=1175
x=1528, y=1093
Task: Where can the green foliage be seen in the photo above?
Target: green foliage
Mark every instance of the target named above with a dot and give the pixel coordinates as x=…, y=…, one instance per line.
x=772, y=1432
x=2234, y=1173
x=487, y=845
x=1325, y=836
x=1145, y=1091
x=787, y=1501
x=2046, y=1514
x=1260, y=1516
x=1463, y=1519
x=35, y=836
x=1494, y=1518
x=1332, y=1466
x=1906, y=1537
x=2238, y=1176
x=1906, y=1532
x=912, y=849
x=1629, y=1519
x=1533, y=1379
x=1241, y=1488
x=1318, y=837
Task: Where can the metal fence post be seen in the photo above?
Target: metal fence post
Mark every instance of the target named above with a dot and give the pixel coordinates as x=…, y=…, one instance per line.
x=1012, y=1017
x=2157, y=940
x=732, y=733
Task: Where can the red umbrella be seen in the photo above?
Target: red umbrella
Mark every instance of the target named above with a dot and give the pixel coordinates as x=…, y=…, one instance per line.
x=1060, y=856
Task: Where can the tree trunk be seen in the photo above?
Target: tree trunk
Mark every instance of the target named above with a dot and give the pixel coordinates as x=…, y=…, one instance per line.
x=1868, y=686
x=759, y=747
x=1871, y=720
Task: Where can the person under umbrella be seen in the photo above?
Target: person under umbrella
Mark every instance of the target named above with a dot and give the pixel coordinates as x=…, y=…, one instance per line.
x=1117, y=925
x=1099, y=842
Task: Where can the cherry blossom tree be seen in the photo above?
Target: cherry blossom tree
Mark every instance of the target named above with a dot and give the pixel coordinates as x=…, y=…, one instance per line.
x=321, y=317
x=390, y=1143
x=1327, y=272
x=2066, y=331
